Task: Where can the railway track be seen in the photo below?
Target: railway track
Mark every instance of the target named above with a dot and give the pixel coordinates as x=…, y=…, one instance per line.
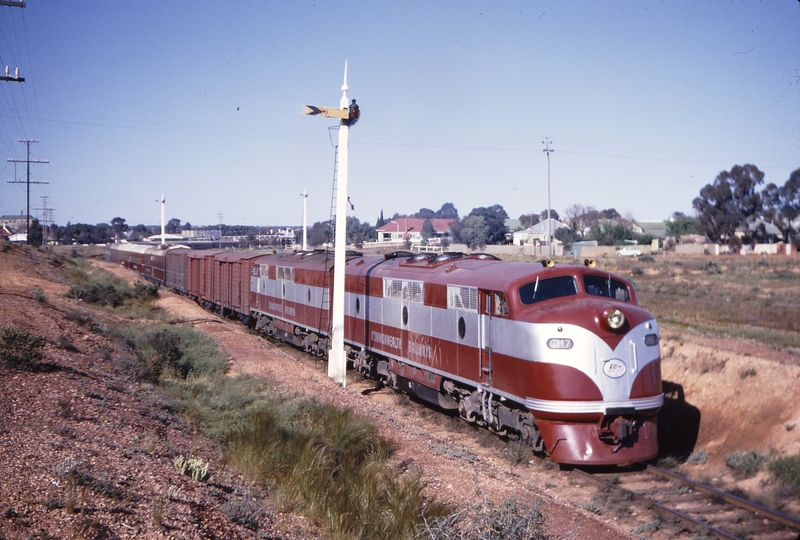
x=698, y=506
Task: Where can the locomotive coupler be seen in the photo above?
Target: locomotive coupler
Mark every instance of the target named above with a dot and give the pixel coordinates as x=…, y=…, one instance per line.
x=622, y=428
x=616, y=431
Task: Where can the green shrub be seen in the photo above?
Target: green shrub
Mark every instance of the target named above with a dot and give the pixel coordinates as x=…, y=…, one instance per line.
x=746, y=463
x=518, y=452
x=331, y=465
x=102, y=288
x=512, y=520
x=697, y=458
x=749, y=372
x=172, y=351
x=20, y=348
x=194, y=467
x=787, y=471
x=245, y=512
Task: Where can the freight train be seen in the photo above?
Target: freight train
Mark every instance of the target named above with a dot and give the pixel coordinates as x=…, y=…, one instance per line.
x=558, y=356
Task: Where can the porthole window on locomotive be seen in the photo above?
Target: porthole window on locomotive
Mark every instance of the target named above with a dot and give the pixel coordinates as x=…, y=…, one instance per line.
x=546, y=289
x=358, y=306
x=462, y=327
x=606, y=286
x=405, y=315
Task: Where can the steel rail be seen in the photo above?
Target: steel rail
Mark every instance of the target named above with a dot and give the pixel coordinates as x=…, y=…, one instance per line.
x=677, y=513
x=733, y=499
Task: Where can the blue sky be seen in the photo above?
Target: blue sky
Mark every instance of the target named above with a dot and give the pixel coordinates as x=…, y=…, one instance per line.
x=645, y=102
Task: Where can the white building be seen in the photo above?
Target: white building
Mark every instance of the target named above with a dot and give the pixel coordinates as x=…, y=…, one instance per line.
x=538, y=233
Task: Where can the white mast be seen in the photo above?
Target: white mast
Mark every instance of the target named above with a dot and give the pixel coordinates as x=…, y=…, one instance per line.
x=305, y=219
x=348, y=115
x=547, y=150
x=162, y=200
x=337, y=359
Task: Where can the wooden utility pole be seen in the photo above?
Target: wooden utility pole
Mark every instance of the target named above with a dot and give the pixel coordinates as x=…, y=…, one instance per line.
x=28, y=182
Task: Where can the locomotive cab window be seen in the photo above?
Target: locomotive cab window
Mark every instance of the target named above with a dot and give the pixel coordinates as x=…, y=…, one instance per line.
x=606, y=286
x=547, y=289
x=494, y=303
x=500, y=306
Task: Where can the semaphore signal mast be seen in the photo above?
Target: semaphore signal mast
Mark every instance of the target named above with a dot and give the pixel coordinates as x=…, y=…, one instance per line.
x=348, y=115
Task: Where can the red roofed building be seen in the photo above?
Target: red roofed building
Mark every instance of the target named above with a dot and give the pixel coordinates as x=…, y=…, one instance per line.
x=402, y=229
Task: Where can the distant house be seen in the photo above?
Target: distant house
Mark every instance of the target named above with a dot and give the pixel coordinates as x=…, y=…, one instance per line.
x=770, y=230
x=538, y=233
x=402, y=229
x=15, y=223
x=656, y=229
x=167, y=238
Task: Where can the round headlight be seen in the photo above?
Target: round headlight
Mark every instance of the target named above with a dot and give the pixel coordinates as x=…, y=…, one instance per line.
x=615, y=319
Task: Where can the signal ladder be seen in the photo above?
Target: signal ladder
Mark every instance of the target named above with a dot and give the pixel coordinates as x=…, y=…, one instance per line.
x=325, y=312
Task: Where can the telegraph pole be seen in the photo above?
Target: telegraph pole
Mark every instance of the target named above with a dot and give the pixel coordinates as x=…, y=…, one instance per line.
x=47, y=219
x=348, y=115
x=547, y=150
x=28, y=182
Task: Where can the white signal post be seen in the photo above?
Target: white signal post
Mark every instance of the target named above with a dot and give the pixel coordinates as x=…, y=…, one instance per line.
x=348, y=114
x=547, y=150
x=162, y=200
x=305, y=219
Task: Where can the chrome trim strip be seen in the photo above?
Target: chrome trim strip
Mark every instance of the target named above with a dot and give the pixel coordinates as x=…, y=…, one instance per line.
x=578, y=407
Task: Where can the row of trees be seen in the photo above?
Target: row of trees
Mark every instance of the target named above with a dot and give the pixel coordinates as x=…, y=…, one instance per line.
x=733, y=203
x=486, y=225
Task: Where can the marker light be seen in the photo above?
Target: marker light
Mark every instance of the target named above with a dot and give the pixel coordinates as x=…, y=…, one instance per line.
x=651, y=340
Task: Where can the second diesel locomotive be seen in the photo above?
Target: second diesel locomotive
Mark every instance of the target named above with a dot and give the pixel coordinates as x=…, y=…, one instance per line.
x=561, y=357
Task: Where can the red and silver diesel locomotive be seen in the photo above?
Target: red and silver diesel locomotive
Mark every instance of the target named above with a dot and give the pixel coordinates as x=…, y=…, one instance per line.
x=559, y=356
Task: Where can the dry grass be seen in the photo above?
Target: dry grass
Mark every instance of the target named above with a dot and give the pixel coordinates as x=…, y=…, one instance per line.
x=738, y=297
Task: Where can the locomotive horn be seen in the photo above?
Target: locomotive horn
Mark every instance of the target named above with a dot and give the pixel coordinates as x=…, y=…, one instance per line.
x=591, y=263
x=548, y=263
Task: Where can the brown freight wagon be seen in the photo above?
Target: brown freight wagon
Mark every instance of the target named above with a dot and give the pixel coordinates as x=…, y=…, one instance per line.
x=232, y=272
x=198, y=273
x=176, y=268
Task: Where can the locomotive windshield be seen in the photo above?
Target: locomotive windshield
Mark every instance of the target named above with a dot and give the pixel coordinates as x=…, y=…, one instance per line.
x=545, y=289
x=606, y=286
